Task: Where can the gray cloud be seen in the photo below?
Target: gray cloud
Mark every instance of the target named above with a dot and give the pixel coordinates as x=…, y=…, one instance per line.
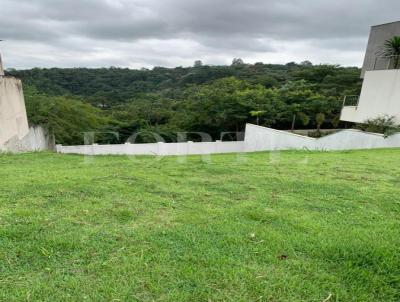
x=136, y=33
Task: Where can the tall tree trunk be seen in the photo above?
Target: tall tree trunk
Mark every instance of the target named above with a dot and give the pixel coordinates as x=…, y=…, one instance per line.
x=293, y=121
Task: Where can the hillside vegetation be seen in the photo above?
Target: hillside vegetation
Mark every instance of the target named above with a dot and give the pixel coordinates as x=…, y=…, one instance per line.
x=210, y=99
x=287, y=227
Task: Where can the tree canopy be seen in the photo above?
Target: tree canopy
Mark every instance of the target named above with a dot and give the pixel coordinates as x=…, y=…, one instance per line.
x=201, y=98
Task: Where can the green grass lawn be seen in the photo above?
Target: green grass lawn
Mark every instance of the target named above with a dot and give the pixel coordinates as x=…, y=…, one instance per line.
x=297, y=226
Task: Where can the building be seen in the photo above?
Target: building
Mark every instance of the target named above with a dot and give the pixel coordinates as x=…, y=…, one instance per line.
x=380, y=94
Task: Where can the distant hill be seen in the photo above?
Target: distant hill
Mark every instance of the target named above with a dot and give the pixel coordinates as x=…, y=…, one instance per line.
x=121, y=84
x=199, y=98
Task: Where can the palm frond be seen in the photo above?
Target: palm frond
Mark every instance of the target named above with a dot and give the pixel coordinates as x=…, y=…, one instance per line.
x=391, y=47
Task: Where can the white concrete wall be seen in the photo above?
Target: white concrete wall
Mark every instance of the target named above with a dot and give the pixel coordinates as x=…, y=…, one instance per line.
x=349, y=113
x=37, y=139
x=352, y=139
x=259, y=138
x=380, y=96
x=256, y=139
x=263, y=139
x=13, y=120
x=189, y=148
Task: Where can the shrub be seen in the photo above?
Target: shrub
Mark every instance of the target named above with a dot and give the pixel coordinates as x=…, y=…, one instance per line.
x=385, y=124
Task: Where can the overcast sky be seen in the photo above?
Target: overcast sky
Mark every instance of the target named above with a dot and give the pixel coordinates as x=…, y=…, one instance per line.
x=147, y=33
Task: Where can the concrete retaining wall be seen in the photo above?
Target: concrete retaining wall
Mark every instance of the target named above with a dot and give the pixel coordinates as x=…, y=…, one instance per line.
x=257, y=138
x=13, y=120
x=263, y=139
x=352, y=139
x=189, y=148
x=37, y=139
x=15, y=134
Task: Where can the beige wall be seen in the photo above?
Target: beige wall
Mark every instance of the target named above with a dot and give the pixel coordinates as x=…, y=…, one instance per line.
x=13, y=119
x=37, y=139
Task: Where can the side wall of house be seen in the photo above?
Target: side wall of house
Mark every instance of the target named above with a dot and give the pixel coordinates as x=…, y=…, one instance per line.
x=380, y=96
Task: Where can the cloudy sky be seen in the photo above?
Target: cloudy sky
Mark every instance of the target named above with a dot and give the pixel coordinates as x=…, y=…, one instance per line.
x=147, y=33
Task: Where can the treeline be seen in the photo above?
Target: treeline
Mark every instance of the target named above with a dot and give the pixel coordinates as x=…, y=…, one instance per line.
x=211, y=99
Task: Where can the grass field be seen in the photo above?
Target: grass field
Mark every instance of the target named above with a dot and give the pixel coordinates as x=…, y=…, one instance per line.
x=294, y=226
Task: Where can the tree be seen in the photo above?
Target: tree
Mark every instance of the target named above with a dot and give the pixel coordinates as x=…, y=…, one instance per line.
x=226, y=105
x=215, y=107
x=306, y=63
x=169, y=100
x=335, y=121
x=237, y=62
x=391, y=48
x=198, y=63
x=304, y=118
x=66, y=118
x=294, y=110
x=301, y=99
x=320, y=119
x=257, y=114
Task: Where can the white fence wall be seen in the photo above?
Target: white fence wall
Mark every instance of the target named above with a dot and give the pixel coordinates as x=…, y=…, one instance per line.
x=257, y=138
x=188, y=148
x=356, y=139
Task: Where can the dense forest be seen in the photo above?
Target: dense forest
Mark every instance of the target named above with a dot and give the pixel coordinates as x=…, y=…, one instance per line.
x=202, y=98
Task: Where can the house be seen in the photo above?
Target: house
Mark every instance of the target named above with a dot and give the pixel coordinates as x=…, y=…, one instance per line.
x=380, y=94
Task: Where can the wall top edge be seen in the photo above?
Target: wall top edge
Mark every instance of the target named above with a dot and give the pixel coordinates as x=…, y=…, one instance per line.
x=383, y=24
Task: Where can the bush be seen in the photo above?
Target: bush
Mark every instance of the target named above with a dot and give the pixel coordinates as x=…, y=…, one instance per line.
x=385, y=124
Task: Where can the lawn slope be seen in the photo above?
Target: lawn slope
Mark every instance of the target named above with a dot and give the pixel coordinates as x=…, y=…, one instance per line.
x=289, y=226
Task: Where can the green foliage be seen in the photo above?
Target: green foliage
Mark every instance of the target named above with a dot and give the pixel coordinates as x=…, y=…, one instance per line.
x=305, y=119
x=335, y=121
x=320, y=119
x=202, y=98
x=198, y=63
x=383, y=124
x=303, y=99
x=237, y=62
x=121, y=229
x=257, y=114
x=391, y=48
x=67, y=118
x=146, y=115
x=118, y=85
x=225, y=105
